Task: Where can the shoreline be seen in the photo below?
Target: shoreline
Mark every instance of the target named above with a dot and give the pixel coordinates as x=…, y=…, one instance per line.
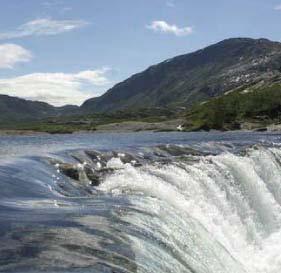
x=8, y=133
x=132, y=127
x=121, y=127
x=15, y=132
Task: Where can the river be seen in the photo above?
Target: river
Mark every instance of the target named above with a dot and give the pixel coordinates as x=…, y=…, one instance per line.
x=165, y=202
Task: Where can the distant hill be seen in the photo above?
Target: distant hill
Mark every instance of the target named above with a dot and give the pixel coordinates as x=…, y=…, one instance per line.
x=195, y=77
x=16, y=109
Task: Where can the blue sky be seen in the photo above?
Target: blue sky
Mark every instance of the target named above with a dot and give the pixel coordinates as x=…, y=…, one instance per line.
x=65, y=51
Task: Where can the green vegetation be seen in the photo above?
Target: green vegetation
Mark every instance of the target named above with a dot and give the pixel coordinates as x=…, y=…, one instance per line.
x=259, y=104
x=249, y=107
x=70, y=124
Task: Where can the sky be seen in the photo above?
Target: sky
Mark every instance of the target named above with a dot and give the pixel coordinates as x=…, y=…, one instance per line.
x=66, y=51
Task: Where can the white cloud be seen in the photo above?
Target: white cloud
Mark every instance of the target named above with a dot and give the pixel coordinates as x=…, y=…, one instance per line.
x=43, y=26
x=278, y=7
x=56, y=88
x=11, y=54
x=164, y=27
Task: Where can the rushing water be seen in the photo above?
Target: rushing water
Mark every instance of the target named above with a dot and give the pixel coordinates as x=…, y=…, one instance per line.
x=184, y=202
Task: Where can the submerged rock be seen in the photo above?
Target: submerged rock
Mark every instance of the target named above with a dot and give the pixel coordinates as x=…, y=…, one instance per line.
x=82, y=173
x=95, y=180
x=98, y=159
x=96, y=176
x=175, y=150
x=102, y=159
x=69, y=170
x=128, y=158
x=92, y=166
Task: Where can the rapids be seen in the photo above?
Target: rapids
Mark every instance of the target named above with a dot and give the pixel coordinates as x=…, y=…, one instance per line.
x=178, y=202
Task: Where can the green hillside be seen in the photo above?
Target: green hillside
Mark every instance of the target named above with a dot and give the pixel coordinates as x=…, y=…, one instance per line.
x=249, y=107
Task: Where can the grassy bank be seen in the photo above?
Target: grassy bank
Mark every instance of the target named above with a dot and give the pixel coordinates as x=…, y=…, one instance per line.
x=257, y=106
x=70, y=124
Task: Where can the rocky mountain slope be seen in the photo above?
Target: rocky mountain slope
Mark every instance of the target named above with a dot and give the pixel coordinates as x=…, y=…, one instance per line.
x=195, y=77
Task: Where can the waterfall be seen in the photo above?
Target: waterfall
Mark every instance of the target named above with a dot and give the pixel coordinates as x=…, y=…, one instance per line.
x=159, y=203
x=220, y=214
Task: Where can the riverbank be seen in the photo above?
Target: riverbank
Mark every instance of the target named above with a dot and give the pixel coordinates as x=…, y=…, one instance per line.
x=138, y=126
x=117, y=127
x=4, y=132
x=134, y=126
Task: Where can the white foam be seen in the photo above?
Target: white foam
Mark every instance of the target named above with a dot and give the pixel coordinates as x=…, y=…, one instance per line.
x=221, y=214
x=115, y=163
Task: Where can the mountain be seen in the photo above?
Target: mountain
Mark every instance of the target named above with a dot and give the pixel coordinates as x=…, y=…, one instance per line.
x=16, y=109
x=194, y=77
x=211, y=84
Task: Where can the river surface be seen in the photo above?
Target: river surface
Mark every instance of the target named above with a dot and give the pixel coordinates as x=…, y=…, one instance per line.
x=165, y=202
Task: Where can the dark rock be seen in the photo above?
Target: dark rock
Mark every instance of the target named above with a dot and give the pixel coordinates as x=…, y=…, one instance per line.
x=92, y=176
x=98, y=157
x=69, y=170
x=105, y=171
x=261, y=129
x=175, y=150
x=127, y=158
x=96, y=176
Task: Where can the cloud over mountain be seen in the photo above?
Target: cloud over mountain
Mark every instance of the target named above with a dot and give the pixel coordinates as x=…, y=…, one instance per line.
x=56, y=88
